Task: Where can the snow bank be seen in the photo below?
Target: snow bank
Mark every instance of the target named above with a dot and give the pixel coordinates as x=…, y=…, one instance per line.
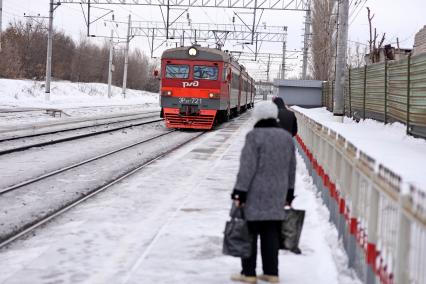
x=64, y=94
x=387, y=144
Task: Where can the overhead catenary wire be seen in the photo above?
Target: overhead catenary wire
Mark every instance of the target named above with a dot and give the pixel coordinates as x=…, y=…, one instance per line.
x=356, y=16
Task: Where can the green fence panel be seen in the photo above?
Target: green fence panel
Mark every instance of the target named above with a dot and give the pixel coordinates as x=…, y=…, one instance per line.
x=418, y=95
x=397, y=90
x=375, y=91
x=393, y=93
x=357, y=91
x=347, y=95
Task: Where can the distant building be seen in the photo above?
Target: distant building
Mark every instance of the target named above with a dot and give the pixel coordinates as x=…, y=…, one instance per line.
x=388, y=53
x=304, y=93
x=420, y=42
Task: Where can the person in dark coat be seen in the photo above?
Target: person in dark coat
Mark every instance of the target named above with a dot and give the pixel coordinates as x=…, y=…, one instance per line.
x=265, y=183
x=287, y=119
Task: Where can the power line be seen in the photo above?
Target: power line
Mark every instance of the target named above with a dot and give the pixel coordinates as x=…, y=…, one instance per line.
x=362, y=7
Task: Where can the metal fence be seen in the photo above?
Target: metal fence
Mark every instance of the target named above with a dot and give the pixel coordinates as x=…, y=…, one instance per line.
x=381, y=220
x=390, y=91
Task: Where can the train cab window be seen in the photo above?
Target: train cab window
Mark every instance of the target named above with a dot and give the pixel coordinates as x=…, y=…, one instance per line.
x=206, y=72
x=177, y=71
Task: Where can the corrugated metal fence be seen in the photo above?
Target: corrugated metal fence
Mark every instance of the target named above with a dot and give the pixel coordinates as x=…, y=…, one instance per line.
x=388, y=92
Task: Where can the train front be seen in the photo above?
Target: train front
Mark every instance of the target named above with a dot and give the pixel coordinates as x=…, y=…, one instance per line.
x=192, y=90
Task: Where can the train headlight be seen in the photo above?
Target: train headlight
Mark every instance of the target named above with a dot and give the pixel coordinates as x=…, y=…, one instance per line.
x=192, y=51
x=166, y=93
x=214, y=96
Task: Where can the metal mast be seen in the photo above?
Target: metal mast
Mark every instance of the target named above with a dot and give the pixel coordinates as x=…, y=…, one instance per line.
x=49, y=51
x=126, y=57
x=111, y=48
x=306, y=43
x=342, y=45
x=283, y=61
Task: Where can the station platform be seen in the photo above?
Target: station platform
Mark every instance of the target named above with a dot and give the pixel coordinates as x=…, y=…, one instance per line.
x=165, y=225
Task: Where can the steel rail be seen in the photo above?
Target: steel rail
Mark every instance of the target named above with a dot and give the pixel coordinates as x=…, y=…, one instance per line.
x=44, y=220
x=66, y=139
x=78, y=127
x=55, y=172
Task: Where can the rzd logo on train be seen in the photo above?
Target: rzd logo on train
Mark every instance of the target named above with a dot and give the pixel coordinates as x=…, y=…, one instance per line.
x=190, y=84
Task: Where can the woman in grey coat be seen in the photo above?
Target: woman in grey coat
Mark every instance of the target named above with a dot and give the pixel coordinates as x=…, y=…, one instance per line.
x=265, y=183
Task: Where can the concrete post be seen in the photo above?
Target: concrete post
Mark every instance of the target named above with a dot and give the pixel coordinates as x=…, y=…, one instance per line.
x=306, y=43
x=111, y=48
x=342, y=45
x=403, y=244
x=283, y=61
x=126, y=57
x=49, y=52
x=372, y=234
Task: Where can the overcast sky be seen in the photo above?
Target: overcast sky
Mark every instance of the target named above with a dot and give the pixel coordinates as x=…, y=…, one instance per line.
x=398, y=18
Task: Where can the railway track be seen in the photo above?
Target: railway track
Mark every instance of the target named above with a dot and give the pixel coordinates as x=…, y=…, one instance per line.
x=11, y=110
x=51, y=127
x=29, y=226
x=21, y=143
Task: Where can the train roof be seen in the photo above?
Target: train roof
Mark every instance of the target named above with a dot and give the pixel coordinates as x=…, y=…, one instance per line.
x=203, y=53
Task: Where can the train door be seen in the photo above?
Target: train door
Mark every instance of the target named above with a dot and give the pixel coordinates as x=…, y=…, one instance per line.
x=228, y=79
x=240, y=79
x=246, y=90
x=251, y=92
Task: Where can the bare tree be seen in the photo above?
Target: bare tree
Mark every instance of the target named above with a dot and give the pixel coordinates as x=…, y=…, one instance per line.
x=374, y=54
x=356, y=56
x=323, y=42
x=24, y=56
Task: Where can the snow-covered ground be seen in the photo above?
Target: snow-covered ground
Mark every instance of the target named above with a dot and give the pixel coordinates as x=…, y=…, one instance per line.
x=388, y=144
x=165, y=225
x=75, y=99
x=64, y=94
x=30, y=203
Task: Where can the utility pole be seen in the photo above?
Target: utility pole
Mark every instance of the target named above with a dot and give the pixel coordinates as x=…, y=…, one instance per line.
x=267, y=74
x=306, y=43
x=126, y=57
x=1, y=20
x=167, y=21
x=152, y=43
x=283, y=62
x=49, y=52
x=183, y=38
x=267, y=68
x=254, y=22
x=111, y=48
x=342, y=45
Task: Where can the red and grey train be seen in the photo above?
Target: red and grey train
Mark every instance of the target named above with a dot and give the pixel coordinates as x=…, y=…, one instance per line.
x=202, y=86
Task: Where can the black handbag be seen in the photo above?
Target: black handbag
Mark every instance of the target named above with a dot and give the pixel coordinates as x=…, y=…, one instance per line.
x=237, y=240
x=291, y=229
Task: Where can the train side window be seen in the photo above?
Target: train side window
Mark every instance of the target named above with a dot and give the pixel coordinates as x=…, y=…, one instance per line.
x=235, y=81
x=206, y=72
x=177, y=71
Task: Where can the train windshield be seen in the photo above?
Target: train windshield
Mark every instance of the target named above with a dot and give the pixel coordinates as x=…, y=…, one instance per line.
x=177, y=71
x=205, y=72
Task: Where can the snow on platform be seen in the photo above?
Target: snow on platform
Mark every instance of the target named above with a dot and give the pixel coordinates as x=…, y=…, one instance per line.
x=388, y=144
x=165, y=225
